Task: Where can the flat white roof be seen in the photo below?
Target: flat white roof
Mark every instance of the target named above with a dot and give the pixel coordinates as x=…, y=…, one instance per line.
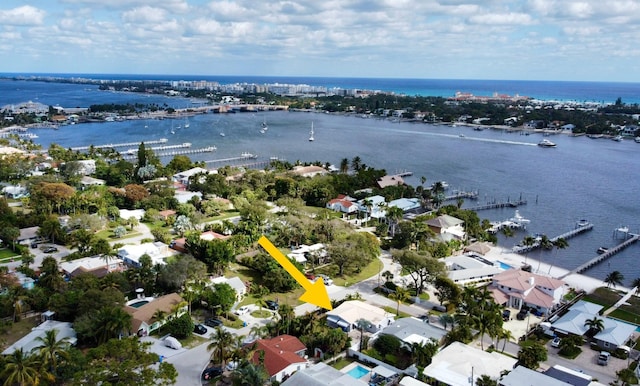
x=29, y=341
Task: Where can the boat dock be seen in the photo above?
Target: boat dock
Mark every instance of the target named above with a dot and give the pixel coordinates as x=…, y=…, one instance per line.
x=581, y=227
x=115, y=145
x=600, y=258
x=243, y=157
x=207, y=149
x=473, y=195
x=499, y=204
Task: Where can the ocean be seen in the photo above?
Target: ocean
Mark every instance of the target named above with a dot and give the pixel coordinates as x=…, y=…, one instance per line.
x=592, y=179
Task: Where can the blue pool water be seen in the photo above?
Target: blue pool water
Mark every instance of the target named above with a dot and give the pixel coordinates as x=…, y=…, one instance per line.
x=358, y=372
x=504, y=266
x=138, y=304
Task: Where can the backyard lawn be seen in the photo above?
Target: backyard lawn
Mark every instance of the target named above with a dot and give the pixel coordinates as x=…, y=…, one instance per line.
x=607, y=297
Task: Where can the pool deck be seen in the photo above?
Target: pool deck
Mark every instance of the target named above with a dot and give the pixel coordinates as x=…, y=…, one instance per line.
x=366, y=378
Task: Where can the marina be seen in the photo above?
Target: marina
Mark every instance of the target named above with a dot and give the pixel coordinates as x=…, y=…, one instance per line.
x=207, y=149
x=116, y=145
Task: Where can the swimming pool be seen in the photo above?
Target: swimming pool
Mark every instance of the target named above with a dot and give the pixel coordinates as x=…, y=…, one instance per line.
x=504, y=265
x=358, y=372
x=138, y=304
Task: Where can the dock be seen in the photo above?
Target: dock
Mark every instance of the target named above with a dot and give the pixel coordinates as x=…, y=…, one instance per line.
x=499, y=204
x=207, y=149
x=115, y=145
x=472, y=195
x=600, y=258
x=243, y=157
x=581, y=227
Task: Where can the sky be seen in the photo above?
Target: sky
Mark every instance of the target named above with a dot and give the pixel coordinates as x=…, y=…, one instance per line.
x=581, y=40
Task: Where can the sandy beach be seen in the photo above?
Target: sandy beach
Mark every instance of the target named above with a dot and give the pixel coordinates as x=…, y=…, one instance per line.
x=577, y=281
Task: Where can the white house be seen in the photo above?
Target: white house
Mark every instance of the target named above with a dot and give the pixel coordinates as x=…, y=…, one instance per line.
x=516, y=288
x=236, y=283
x=413, y=330
x=30, y=341
x=464, y=269
x=374, y=206
x=86, y=167
x=126, y=214
x=343, y=204
x=456, y=363
x=95, y=265
x=301, y=253
x=346, y=315
x=157, y=251
x=322, y=374
x=523, y=376
x=183, y=176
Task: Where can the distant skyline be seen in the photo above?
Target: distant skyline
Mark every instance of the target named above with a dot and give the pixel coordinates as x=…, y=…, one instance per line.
x=574, y=40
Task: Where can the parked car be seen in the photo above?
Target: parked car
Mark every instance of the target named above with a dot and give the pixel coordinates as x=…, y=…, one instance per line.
x=310, y=276
x=211, y=372
x=556, y=342
x=506, y=315
x=327, y=280
x=603, y=358
x=522, y=314
x=212, y=322
x=242, y=310
x=50, y=250
x=199, y=329
x=272, y=305
x=172, y=342
x=232, y=365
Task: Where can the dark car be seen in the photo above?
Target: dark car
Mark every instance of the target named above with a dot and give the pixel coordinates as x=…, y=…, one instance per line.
x=272, y=305
x=199, y=329
x=50, y=250
x=213, y=322
x=211, y=372
x=522, y=314
x=506, y=315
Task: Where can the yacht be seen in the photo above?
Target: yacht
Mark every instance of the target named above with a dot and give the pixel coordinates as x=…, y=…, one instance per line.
x=222, y=134
x=602, y=250
x=617, y=138
x=264, y=126
x=518, y=221
x=311, y=139
x=637, y=139
x=546, y=143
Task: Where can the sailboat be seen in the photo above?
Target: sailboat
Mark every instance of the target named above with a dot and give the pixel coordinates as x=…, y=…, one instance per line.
x=311, y=139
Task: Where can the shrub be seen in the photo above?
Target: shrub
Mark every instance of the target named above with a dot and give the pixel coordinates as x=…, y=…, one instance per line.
x=387, y=344
x=180, y=327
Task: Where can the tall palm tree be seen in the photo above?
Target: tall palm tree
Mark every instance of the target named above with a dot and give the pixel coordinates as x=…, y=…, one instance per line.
x=613, y=279
x=394, y=215
x=21, y=368
x=112, y=322
x=51, y=349
x=356, y=164
x=220, y=346
x=506, y=335
x=545, y=243
x=361, y=324
x=560, y=243
x=401, y=295
x=344, y=166
x=595, y=325
x=527, y=242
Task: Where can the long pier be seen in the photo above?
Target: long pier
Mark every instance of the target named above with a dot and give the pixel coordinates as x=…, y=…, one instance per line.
x=243, y=157
x=600, y=258
x=125, y=144
x=580, y=228
x=499, y=204
x=207, y=149
x=473, y=195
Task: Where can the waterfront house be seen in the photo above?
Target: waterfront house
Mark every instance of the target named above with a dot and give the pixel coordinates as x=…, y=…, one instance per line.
x=390, y=180
x=447, y=227
x=523, y=376
x=309, y=171
x=184, y=176
x=405, y=204
x=346, y=315
x=373, y=206
x=515, y=288
x=145, y=318
x=614, y=335
x=465, y=269
x=454, y=364
x=283, y=356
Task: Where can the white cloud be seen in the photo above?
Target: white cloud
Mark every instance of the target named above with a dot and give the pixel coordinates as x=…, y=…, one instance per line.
x=145, y=14
x=502, y=19
x=22, y=16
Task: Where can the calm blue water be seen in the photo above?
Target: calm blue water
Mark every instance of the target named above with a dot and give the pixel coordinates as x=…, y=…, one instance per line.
x=358, y=372
x=604, y=92
x=581, y=178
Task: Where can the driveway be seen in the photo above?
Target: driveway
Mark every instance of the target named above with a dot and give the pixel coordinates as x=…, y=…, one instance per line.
x=158, y=347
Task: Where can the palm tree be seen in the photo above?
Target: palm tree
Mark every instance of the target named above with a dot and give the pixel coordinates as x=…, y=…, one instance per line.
x=356, y=164
x=613, y=279
x=344, y=166
x=527, y=242
x=545, y=243
x=51, y=349
x=506, y=335
x=560, y=243
x=636, y=284
x=21, y=368
x=112, y=322
x=595, y=325
x=401, y=295
x=446, y=320
x=361, y=324
x=250, y=374
x=221, y=341
x=394, y=214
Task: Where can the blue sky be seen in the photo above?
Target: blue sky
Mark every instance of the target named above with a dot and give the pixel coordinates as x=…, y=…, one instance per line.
x=591, y=40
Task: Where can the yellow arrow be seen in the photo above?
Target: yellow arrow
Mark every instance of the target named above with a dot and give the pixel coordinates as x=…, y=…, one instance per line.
x=315, y=293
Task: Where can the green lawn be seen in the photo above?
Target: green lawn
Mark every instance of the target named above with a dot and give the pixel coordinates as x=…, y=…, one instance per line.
x=107, y=234
x=261, y=314
x=342, y=363
x=368, y=271
x=392, y=310
x=7, y=253
x=607, y=297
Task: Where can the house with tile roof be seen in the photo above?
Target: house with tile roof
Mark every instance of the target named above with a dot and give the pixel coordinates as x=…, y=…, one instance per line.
x=180, y=244
x=344, y=204
x=143, y=320
x=346, y=315
x=390, y=180
x=413, y=330
x=309, y=171
x=516, y=288
x=447, y=227
x=283, y=355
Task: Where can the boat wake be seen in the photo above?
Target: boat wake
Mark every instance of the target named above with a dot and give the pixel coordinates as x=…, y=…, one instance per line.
x=457, y=136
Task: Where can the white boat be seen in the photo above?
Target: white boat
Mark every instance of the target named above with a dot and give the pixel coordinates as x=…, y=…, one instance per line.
x=546, y=143
x=637, y=139
x=311, y=139
x=222, y=134
x=264, y=126
x=519, y=221
x=186, y=123
x=617, y=138
x=602, y=250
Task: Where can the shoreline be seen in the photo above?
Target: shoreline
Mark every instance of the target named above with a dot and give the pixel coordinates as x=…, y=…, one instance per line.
x=576, y=280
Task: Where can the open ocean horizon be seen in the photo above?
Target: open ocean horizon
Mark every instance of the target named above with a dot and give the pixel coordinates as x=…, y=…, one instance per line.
x=575, y=91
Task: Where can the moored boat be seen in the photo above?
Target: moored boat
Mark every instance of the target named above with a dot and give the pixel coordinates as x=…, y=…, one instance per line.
x=602, y=250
